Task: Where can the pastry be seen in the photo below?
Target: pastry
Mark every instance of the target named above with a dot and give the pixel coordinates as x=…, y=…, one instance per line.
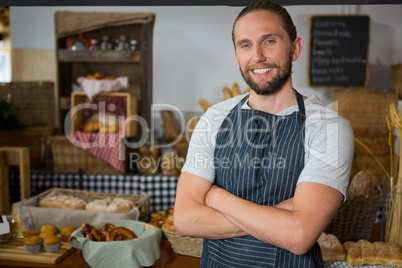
x=331, y=248
x=30, y=232
x=33, y=243
x=369, y=251
x=52, y=243
x=66, y=233
x=46, y=234
x=395, y=255
x=48, y=228
x=382, y=253
x=353, y=253
x=63, y=201
x=115, y=205
x=92, y=126
x=109, y=129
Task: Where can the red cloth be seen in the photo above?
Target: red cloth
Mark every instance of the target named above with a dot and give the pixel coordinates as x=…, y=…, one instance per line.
x=106, y=146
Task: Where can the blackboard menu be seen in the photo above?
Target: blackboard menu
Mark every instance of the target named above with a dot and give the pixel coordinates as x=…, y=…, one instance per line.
x=338, y=51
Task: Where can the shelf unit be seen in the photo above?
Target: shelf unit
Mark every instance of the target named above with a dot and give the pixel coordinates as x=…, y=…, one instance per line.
x=137, y=65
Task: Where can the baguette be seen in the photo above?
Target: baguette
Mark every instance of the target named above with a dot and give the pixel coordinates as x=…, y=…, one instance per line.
x=235, y=90
x=226, y=93
x=395, y=255
x=382, y=256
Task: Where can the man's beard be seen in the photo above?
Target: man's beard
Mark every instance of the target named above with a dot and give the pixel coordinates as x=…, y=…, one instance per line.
x=272, y=86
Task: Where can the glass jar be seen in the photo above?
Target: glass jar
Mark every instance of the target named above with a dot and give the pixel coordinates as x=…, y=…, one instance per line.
x=168, y=162
x=94, y=45
x=106, y=45
x=122, y=43
x=133, y=45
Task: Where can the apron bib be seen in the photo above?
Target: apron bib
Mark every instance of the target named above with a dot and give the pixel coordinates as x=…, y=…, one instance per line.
x=258, y=157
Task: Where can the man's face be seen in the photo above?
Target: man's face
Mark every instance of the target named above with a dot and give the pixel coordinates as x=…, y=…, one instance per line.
x=263, y=52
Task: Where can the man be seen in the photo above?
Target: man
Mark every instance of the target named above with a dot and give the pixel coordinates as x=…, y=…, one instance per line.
x=266, y=171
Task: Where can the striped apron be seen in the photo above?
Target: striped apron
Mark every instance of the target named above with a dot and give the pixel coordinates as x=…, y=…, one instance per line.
x=259, y=157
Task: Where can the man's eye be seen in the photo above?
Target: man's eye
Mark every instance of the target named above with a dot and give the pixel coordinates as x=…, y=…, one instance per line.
x=245, y=46
x=271, y=41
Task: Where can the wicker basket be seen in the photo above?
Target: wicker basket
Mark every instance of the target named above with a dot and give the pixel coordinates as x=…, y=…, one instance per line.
x=189, y=246
x=35, y=138
x=141, y=202
x=356, y=217
x=68, y=158
x=35, y=100
x=38, y=114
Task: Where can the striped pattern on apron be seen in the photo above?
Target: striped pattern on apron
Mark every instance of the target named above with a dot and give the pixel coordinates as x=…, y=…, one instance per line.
x=258, y=157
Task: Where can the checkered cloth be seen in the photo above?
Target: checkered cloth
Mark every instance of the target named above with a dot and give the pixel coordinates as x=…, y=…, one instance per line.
x=106, y=146
x=344, y=264
x=161, y=189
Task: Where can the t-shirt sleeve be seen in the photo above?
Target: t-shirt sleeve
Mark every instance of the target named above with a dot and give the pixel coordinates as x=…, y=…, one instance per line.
x=199, y=159
x=328, y=151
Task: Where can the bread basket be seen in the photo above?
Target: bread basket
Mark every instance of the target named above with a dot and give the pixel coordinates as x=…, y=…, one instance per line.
x=189, y=246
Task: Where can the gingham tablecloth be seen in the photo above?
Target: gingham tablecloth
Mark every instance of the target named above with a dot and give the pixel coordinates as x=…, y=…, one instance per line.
x=344, y=264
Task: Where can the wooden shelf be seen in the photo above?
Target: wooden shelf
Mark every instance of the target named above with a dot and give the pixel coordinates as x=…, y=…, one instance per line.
x=65, y=55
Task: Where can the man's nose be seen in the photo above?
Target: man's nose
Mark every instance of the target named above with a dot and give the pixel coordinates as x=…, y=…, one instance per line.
x=258, y=55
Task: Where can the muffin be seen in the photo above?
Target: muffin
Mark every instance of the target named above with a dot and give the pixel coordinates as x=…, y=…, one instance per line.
x=66, y=233
x=48, y=228
x=52, y=243
x=33, y=243
x=46, y=234
x=29, y=233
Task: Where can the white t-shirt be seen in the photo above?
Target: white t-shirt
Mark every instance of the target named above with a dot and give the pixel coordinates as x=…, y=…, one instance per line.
x=329, y=143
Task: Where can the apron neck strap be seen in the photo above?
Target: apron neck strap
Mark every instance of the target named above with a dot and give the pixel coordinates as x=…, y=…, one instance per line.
x=300, y=102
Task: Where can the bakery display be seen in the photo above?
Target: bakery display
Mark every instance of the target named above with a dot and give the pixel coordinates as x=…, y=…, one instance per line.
x=375, y=253
x=63, y=201
x=107, y=233
x=110, y=204
x=331, y=248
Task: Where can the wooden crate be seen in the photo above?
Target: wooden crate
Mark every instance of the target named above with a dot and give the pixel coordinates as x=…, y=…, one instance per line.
x=396, y=79
x=78, y=98
x=68, y=158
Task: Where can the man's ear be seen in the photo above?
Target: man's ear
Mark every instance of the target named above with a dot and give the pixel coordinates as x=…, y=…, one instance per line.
x=297, y=48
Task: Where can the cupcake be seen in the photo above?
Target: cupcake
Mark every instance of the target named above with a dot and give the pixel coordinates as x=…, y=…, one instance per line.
x=46, y=234
x=48, y=228
x=66, y=233
x=29, y=233
x=52, y=243
x=33, y=243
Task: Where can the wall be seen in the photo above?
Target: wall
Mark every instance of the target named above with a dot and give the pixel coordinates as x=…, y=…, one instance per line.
x=193, y=52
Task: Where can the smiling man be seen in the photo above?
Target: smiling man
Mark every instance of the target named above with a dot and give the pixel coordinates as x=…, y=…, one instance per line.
x=265, y=171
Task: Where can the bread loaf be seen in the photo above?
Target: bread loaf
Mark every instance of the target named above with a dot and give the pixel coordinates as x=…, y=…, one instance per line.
x=374, y=253
x=115, y=205
x=331, y=248
x=63, y=201
x=362, y=184
x=353, y=253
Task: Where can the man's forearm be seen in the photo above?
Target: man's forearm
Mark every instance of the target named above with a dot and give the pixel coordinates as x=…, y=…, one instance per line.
x=193, y=218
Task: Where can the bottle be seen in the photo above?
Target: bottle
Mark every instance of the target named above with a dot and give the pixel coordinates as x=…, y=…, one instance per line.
x=122, y=44
x=106, y=45
x=94, y=45
x=133, y=45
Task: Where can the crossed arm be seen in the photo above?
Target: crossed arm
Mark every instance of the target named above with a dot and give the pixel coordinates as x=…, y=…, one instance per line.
x=205, y=210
